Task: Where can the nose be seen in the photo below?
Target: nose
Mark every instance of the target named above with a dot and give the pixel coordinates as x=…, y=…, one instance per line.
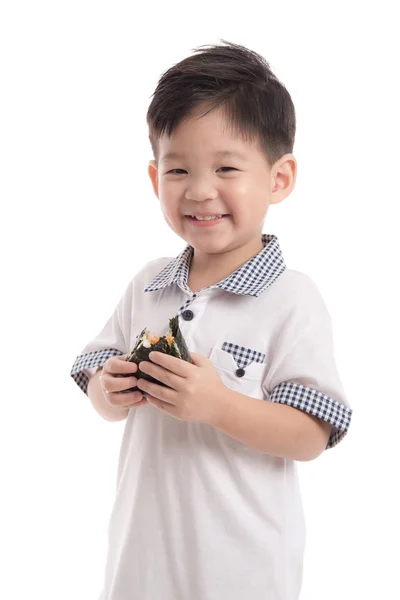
x=199, y=189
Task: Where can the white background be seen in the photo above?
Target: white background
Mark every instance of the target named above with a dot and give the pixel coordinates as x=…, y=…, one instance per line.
x=77, y=209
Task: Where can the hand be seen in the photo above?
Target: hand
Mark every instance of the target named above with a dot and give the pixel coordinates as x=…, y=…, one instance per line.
x=113, y=384
x=194, y=392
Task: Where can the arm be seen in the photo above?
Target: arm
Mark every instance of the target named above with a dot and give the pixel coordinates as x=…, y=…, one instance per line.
x=100, y=404
x=270, y=427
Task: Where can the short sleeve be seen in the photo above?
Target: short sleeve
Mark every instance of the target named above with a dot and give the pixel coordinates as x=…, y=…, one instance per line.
x=305, y=375
x=110, y=341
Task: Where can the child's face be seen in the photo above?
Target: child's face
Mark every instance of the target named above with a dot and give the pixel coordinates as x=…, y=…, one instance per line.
x=200, y=180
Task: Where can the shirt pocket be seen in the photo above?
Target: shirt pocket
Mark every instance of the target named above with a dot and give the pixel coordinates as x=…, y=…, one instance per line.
x=240, y=368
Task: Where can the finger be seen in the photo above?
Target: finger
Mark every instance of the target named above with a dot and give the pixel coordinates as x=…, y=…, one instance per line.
x=137, y=404
x=176, y=365
x=168, y=377
x=159, y=392
x=169, y=408
x=119, y=365
x=113, y=385
x=125, y=400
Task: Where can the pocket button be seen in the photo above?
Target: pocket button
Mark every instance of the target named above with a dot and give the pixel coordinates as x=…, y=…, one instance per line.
x=240, y=372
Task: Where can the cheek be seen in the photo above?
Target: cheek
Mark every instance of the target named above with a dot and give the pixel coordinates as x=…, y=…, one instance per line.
x=239, y=196
x=169, y=197
x=170, y=206
x=239, y=188
x=171, y=188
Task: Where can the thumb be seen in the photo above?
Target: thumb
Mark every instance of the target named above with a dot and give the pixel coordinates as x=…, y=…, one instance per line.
x=198, y=359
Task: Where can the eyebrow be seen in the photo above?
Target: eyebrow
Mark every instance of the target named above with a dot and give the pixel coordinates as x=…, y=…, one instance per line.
x=219, y=154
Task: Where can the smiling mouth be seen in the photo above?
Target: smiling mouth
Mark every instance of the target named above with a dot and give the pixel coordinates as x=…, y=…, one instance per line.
x=210, y=218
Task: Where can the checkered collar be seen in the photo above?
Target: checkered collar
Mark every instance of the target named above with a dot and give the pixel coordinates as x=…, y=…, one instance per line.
x=251, y=279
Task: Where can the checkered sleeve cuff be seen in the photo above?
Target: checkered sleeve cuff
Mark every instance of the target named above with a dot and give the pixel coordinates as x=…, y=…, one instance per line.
x=88, y=361
x=317, y=404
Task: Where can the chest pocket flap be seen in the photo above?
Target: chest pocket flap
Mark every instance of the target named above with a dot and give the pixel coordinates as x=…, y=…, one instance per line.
x=241, y=368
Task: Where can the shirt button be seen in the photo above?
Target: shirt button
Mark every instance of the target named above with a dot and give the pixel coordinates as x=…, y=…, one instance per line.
x=188, y=315
x=240, y=372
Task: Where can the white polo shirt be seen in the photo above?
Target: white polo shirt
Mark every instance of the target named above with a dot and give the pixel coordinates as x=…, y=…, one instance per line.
x=197, y=514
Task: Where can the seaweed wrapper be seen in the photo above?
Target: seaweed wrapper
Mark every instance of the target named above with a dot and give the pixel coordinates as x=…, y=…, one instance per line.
x=173, y=344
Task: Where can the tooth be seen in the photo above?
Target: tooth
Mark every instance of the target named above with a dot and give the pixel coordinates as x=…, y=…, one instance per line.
x=209, y=218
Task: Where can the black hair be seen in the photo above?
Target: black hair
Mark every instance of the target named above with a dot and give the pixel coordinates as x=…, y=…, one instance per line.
x=234, y=79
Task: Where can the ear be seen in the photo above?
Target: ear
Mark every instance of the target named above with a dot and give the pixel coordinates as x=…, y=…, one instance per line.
x=153, y=174
x=283, y=178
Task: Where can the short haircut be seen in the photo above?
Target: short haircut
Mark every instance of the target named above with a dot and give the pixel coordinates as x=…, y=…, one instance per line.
x=235, y=80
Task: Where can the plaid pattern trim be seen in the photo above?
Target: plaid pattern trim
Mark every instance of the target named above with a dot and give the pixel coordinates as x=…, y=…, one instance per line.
x=88, y=361
x=251, y=279
x=317, y=404
x=243, y=356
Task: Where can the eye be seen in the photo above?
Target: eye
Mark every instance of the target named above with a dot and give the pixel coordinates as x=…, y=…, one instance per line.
x=181, y=171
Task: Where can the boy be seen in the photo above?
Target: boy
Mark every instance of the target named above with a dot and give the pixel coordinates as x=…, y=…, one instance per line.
x=208, y=505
